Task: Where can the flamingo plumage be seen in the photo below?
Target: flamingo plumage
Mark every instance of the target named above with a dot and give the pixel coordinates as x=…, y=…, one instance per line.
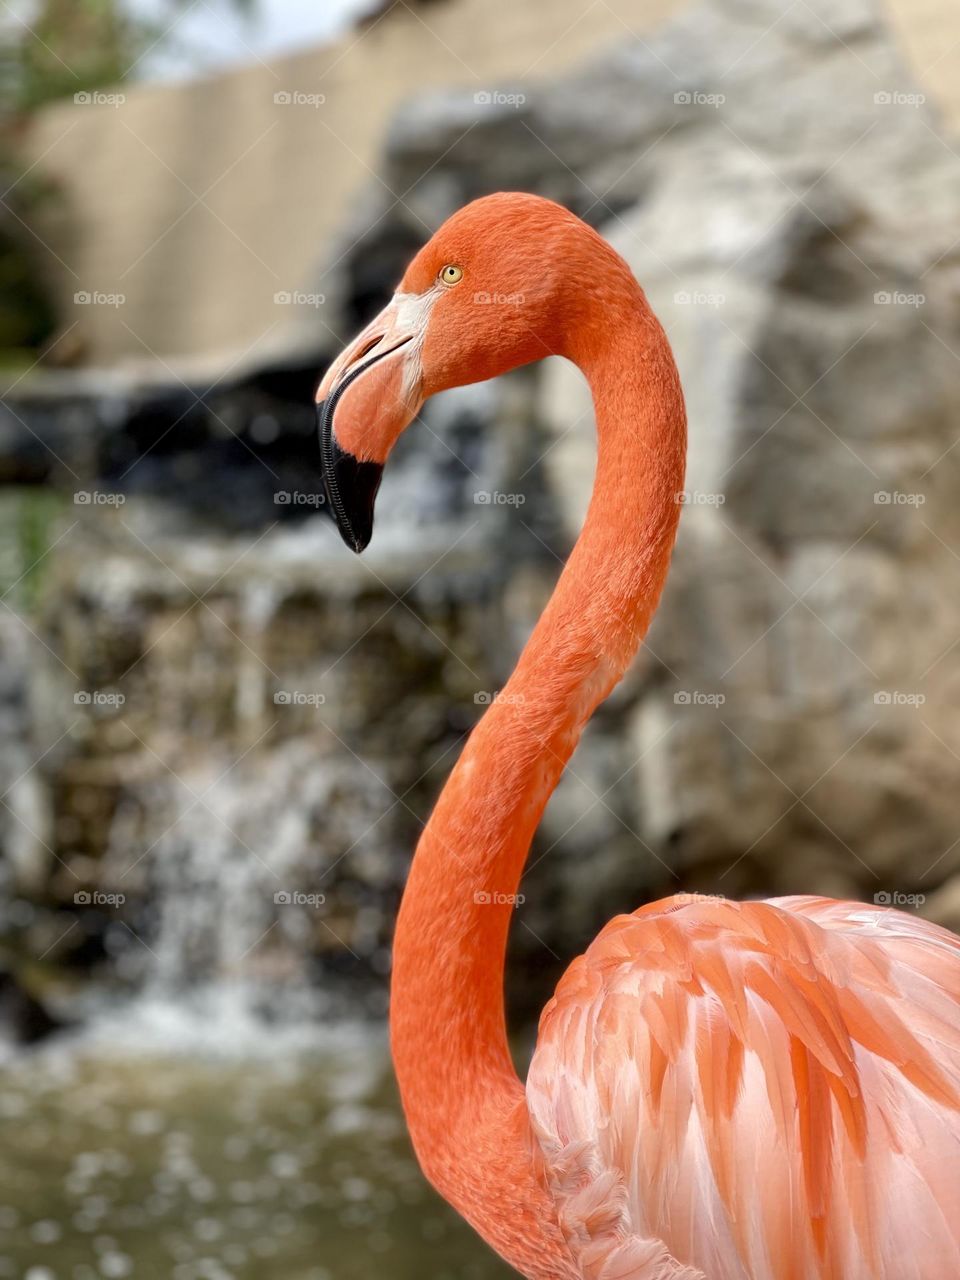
x=719, y=1090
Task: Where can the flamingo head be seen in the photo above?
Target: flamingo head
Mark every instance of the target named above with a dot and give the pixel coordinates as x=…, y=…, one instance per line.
x=488, y=292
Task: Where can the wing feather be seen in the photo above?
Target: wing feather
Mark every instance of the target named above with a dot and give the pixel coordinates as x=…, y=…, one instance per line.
x=756, y=1091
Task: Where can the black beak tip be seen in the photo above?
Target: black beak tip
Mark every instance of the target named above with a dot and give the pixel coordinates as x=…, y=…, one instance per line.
x=350, y=485
x=356, y=541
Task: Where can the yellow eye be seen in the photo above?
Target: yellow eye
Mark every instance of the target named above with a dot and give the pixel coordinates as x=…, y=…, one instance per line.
x=451, y=274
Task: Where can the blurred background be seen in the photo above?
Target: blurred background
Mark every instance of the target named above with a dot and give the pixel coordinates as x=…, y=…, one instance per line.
x=222, y=732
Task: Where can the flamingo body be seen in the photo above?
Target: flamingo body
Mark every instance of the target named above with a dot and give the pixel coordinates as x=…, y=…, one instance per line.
x=720, y=1090
x=755, y=1091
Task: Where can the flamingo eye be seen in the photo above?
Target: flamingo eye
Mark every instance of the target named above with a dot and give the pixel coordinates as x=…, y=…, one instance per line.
x=451, y=273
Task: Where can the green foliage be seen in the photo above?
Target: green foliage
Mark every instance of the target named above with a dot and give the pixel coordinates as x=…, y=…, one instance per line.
x=54, y=49
x=29, y=519
x=70, y=46
x=27, y=316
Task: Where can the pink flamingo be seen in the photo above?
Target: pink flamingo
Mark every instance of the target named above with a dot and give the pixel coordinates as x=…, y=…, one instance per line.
x=720, y=1090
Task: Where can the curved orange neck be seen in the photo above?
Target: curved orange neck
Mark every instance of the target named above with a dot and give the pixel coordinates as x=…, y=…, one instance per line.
x=464, y=1103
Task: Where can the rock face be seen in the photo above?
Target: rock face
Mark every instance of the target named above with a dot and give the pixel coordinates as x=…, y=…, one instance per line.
x=783, y=192
x=229, y=740
x=791, y=726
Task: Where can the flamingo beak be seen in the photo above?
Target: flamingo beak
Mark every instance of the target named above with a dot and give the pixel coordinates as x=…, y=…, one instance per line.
x=350, y=484
x=366, y=398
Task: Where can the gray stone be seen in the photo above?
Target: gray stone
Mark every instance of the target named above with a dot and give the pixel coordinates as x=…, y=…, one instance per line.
x=791, y=724
x=770, y=175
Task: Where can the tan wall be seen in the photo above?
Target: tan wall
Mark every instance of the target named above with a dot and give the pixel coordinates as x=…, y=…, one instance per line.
x=929, y=33
x=199, y=203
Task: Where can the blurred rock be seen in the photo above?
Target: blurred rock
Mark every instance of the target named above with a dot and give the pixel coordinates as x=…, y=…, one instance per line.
x=791, y=725
x=805, y=712
x=24, y=804
x=944, y=906
x=251, y=729
x=23, y=1019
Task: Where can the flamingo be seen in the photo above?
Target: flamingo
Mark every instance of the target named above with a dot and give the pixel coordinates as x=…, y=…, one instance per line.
x=720, y=1090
